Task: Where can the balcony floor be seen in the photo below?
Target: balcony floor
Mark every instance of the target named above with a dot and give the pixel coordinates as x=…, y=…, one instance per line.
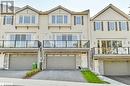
x=19, y=49
x=66, y=49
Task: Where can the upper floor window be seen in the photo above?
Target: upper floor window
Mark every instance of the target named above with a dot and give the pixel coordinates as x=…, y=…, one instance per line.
x=27, y=19
x=98, y=26
x=8, y=20
x=123, y=26
x=78, y=20
x=112, y=26
x=20, y=37
x=59, y=19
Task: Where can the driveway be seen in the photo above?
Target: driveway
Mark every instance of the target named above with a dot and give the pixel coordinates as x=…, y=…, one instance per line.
x=12, y=74
x=60, y=75
x=123, y=79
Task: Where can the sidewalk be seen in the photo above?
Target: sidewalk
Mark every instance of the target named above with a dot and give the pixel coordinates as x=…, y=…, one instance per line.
x=30, y=82
x=113, y=82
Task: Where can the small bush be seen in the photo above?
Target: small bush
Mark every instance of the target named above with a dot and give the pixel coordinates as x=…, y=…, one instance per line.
x=31, y=73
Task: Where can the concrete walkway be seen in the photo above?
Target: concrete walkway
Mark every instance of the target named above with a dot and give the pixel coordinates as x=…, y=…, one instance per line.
x=12, y=74
x=111, y=81
x=29, y=82
x=60, y=75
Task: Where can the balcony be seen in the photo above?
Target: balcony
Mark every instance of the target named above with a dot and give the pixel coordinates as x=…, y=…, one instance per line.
x=112, y=51
x=19, y=44
x=66, y=44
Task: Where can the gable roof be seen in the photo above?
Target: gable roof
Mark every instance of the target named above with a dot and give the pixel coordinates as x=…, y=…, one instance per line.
x=65, y=9
x=112, y=7
x=27, y=7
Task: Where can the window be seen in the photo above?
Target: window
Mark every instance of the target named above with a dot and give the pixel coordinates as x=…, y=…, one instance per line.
x=20, y=19
x=78, y=20
x=8, y=20
x=98, y=26
x=27, y=19
x=123, y=26
x=65, y=19
x=53, y=19
x=112, y=26
x=59, y=19
x=33, y=20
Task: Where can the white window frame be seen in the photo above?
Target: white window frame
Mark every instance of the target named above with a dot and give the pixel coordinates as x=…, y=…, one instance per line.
x=98, y=26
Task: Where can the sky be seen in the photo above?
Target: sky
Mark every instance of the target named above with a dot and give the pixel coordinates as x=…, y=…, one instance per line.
x=75, y=5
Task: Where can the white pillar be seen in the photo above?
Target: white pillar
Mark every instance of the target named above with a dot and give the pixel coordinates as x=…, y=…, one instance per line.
x=39, y=58
x=43, y=60
x=84, y=61
x=101, y=67
x=6, y=61
x=78, y=61
x=2, y=60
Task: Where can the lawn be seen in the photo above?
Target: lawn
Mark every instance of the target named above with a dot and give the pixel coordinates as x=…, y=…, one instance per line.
x=91, y=77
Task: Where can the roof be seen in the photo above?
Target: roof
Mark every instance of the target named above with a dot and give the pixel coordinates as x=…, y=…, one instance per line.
x=27, y=7
x=112, y=7
x=65, y=9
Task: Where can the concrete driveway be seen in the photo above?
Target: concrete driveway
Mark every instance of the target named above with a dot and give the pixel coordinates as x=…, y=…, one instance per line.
x=12, y=74
x=123, y=79
x=60, y=75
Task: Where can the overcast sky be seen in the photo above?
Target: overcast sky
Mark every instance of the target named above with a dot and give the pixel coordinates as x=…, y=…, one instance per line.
x=75, y=5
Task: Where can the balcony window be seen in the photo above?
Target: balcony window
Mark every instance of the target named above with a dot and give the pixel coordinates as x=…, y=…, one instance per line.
x=112, y=26
x=98, y=26
x=8, y=20
x=59, y=19
x=123, y=26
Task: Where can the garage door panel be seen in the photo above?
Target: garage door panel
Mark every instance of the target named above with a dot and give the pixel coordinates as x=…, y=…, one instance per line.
x=61, y=62
x=22, y=62
x=116, y=68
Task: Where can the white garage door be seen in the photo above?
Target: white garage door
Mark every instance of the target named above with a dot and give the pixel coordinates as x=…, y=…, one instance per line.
x=116, y=68
x=22, y=62
x=61, y=62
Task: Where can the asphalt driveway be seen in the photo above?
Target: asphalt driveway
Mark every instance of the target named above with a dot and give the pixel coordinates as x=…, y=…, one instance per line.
x=123, y=79
x=12, y=74
x=60, y=75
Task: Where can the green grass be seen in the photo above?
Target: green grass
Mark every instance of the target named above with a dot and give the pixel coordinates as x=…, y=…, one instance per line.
x=91, y=77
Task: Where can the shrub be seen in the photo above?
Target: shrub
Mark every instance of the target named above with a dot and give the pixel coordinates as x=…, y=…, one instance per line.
x=31, y=73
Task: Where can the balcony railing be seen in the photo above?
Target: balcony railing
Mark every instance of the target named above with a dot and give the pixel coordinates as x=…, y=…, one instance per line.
x=66, y=44
x=113, y=51
x=19, y=44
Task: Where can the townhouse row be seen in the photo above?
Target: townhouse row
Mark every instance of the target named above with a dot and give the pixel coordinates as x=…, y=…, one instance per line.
x=64, y=39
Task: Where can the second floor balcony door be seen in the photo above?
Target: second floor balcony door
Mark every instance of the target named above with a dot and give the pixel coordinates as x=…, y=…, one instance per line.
x=66, y=40
x=20, y=40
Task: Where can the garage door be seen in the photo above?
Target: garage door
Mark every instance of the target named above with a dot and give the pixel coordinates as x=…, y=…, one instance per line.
x=22, y=62
x=61, y=62
x=116, y=68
